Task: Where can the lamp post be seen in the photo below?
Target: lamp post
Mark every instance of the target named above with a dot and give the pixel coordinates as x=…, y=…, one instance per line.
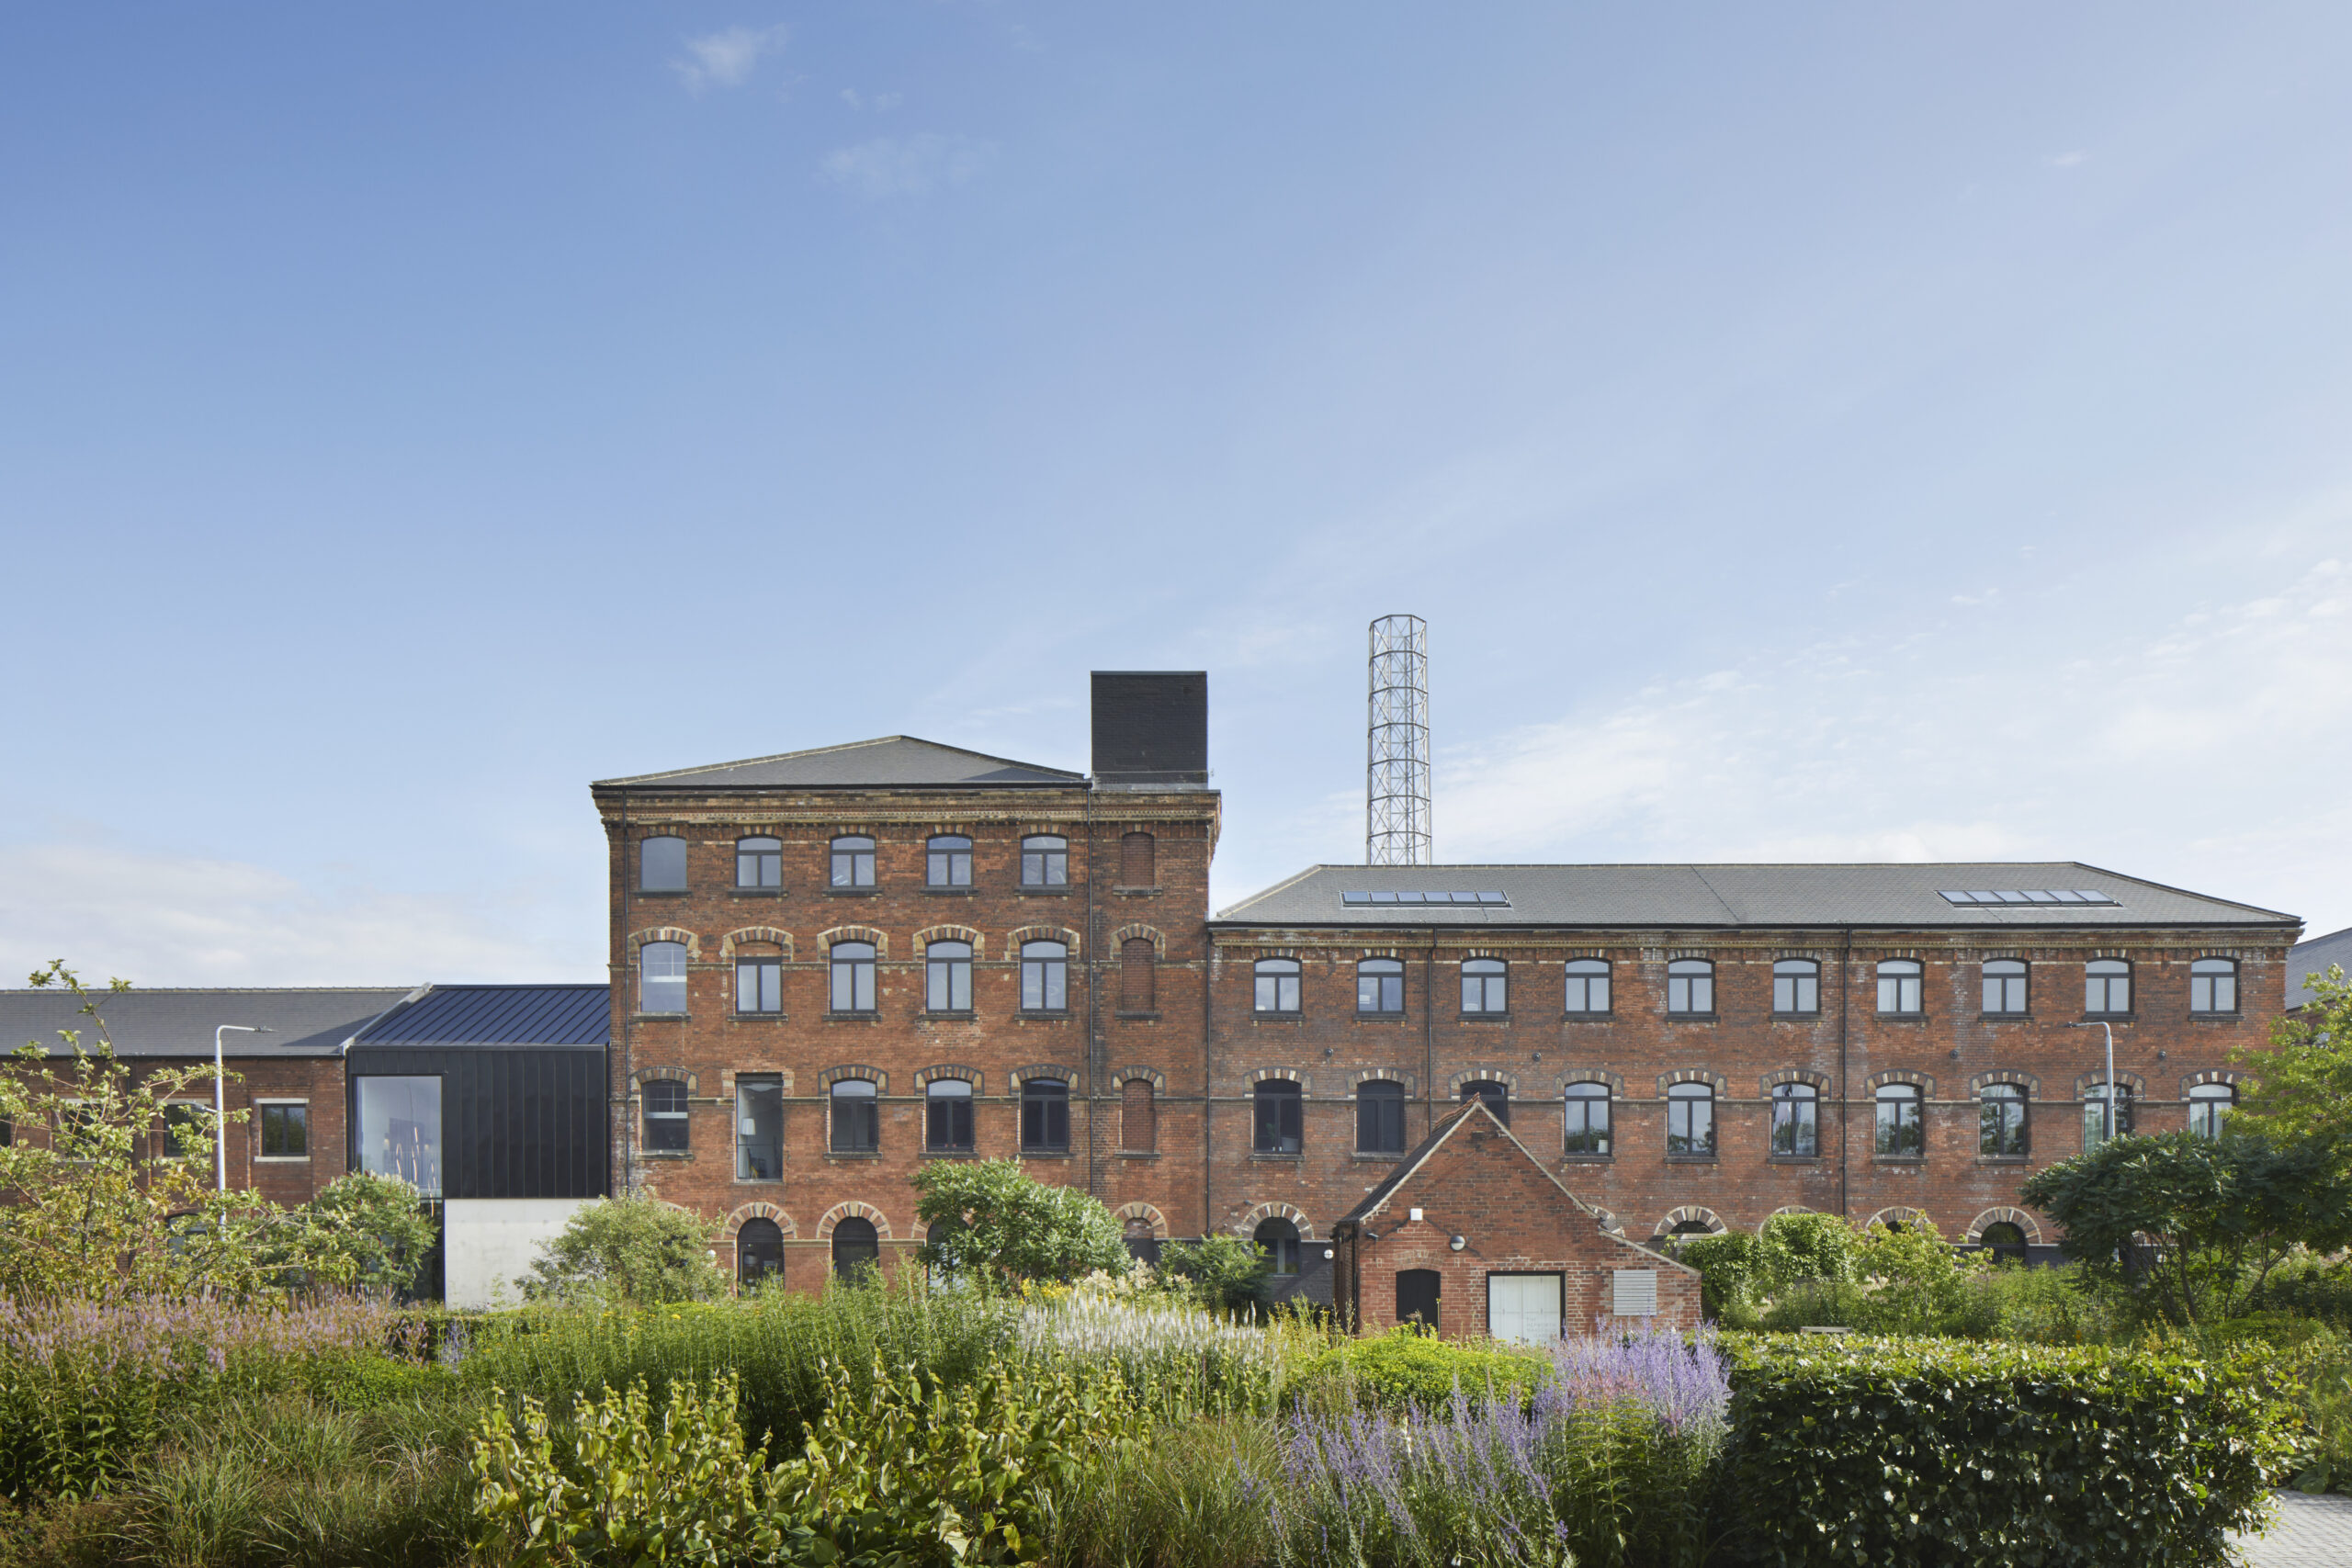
x=2110, y=1132
x=220, y=1097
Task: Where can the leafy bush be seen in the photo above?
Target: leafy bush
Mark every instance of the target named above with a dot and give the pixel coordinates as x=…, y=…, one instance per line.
x=2310, y=1287
x=998, y=1224
x=638, y=1248
x=1223, y=1273
x=1791, y=1247
x=1951, y=1453
x=1408, y=1369
x=1726, y=1263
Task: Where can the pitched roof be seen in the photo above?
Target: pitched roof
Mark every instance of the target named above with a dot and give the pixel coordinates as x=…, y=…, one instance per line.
x=306, y=1022
x=1419, y=1155
x=899, y=761
x=2312, y=957
x=497, y=1015
x=1910, y=895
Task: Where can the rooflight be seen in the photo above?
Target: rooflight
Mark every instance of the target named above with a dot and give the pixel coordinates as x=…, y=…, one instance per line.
x=1414, y=896
x=2028, y=896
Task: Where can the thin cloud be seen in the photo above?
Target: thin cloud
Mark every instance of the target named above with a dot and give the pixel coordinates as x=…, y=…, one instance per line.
x=2074, y=160
x=725, y=59
x=906, y=165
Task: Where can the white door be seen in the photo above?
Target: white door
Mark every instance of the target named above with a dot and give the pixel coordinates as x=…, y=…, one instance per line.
x=1523, y=1307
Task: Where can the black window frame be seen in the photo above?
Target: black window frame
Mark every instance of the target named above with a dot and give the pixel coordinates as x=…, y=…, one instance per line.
x=286, y=1114
x=1494, y=1091
x=1799, y=981
x=1906, y=974
x=1382, y=976
x=644, y=872
x=765, y=972
x=1491, y=978
x=859, y=1132
x=1277, y=1117
x=1578, y=1100
x=943, y=971
x=2211, y=1105
x=2094, y=1108
x=944, y=854
x=1696, y=980
x=765, y=864
x=1266, y=980
x=2004, y=1121
x=1050, y=972
x=1047, y=856
x=670, y=1128
x=1796, y=1109
x=862, y=856
x=1045, y=1115
x=1578, y=978
x=758, y=1253
x=1680, y=1100
x=947, y=1116
x=856, y=1249
x=2100, y=979
x=1901, y=1138
x=2208, y=986
x=2014, y=977
x=1380, y=1117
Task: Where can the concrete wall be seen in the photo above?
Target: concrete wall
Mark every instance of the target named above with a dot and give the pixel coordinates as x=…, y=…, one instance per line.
x=489, y=1241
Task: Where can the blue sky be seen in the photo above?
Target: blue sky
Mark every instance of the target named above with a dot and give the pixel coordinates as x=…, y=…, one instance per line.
x=1811, y=431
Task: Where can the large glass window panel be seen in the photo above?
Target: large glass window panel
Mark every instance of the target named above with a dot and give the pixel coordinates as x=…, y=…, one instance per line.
x=400, y=1129
x=1796, y=985
x=1380, y=986
x=1495, y=1095
x=2005, y=986
x=2213, y=986
x=1278, y=1239
x=758, y=1253
x=853, y=977
x=947, y=862
x=1276, y=989
x=1588, y=985
x=285, y=1132
x=666, y=1121
x=1486, y=986
x=858, y=1117
x=857, y=1249
x=1044, y=860
x=662, y=865
x=1277, y=1124
x=1900, y=1132
x=2001, y=1112
x=759, y=1127
x=947, y=976
x=1900, y=986
x=1691, y=1119
x=2096, y=1127
x=947, y=1116
x=661, y=977
x=1044, y=1115
x=2210, y=1105
x=853, y=861
x=2107, y=986
x=759, y=985
x=1690, y=985
x=1044, y=976
x=1797, y=1126
x=1588, y=1119
x=759, y=862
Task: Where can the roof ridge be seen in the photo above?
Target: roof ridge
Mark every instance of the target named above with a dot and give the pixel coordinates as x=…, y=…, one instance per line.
x=827, y=751
x=196, y=991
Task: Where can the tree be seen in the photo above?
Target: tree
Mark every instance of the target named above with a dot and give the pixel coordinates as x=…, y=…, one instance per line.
x=638, y=1247
x=1793, y=1247
x=2192, y=1226
x=1224, y=1273
x=994, y=1222
x=363, y=1232
x=2303, y=1081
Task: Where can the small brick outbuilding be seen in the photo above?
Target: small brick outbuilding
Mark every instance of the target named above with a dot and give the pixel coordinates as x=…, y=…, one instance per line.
x=1472, y=1235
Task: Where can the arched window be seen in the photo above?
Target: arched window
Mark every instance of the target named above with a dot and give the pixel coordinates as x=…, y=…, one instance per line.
x=1901, y=1134
x=2107, y=986
x=2213, y=986
x=2096, y=1129
x=1380, y=1117
x=662, y=864
x=1276, y=1117
x=2003, y=986
x=858, y=1117
x=947, y=976
x=1495, y=1095
x=2210, y=1105
x=853, y=861
x=1796, y=987
x=1796, y=1125
x=1044, y=976
x=1690, y=987
x=1044, y=860
x=2001, y=1121
x=1277, y=985
x=1138, y=965
x=1900, y=987
x=2004, y=1239
x=1691, y=1122
x=1137, y=867
x=1045, y=1115
x=1138, y=1118
x=758, y=1253
x=666, y=1121
x=947, y=861
x=853, y=974
x=759, y=983
x=1278, y=1239
x=661, y=977
x=759, y=862
x=857, y=1249
x=1588, y=985
x=1486, y=986
x=1142, y=1238
x=1587, y=1118
x=947, y=1116
x=1380, y=986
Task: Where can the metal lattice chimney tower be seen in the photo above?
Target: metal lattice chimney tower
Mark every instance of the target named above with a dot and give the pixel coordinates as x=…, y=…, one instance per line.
x=1397, y=828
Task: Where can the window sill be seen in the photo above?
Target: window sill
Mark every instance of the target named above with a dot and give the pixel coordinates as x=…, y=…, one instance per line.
x=1899, y=1159
x=853, y=892
x=1045, y=1015
x=1042, y=892
x=2110, y=1017
x=1270, y=1157
x=661, y=892
x=1136, y=1017
x=1691, y=1017
x=281, y=1159
x=1396, y=1017
x=1813, y=1017
x=852, y=1154
x=666, y=1154
x=949, y=892
x=1501, y=1018
x=1692, y=1159
x=1257, y=1017
x=1587, y=1159
x=1044, y=1154
x=2217, y=1017
x=859, y=1017
x=1898, y=1018
x=950, y=1015
x=948, y=1154
x=2004, y=1159
x=2004, y=1018
x=1367, y=1155
x=1588, y=1017
x=1134, y=892
x=657, y=1017
x=759, y=1181
x=755, y=893
x=1139, y=1154
x=1791, y=1160
x=759, y=1017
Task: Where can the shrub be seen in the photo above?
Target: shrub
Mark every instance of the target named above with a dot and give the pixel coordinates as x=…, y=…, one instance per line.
x=1728, y=1269
x=1950, y=1453
x=1223, y=1273
x=1406, y=1368
x=996, y=1224
x=639, y=1248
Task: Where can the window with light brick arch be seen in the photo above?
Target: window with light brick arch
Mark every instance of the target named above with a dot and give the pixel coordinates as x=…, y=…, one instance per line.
x=1138, y=1118
x=1138, y=960
x=1136, y=861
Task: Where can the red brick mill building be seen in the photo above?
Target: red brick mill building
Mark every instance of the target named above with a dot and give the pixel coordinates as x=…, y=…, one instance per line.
x=833, y=966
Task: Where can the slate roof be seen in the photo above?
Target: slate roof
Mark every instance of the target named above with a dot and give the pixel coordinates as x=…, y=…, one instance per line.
x=497, y=1015
x=1907, y=895
x=2312, y=957
x=308, y=1021
x=899, y=761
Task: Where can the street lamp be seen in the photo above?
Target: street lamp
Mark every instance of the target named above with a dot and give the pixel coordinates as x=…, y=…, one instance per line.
x=2110, y=1131
x=220, y=1097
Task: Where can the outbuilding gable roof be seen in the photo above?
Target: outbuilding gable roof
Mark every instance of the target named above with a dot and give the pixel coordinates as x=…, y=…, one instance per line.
x=1419, y=1155
x=891, y=761
x=304, y=1022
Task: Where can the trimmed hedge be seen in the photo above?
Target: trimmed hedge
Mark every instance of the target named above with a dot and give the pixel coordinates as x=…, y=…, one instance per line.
x=1854, y=1451
x=1406, y=1368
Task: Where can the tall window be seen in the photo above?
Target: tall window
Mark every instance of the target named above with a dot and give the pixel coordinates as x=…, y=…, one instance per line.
x=947, y=862
x=1277, y=1117
x=2004, y=986
x=1137, y=867
x=666, y=1121
x=1278, y=1239
x=1796, y=1119
x=2107, y=986
x=1690, y=985
x=1044, y=860
x=1486, y=986
x=1496, y=1097
x=759, y=985
x=1044, y=1115
x=858, y=1117
x=758, y=1253
x=1139, y=1117
x=1277, y=985
x=2213, y=986
x=182, y=1122
x=285, y=1132
x=2001, y=1121
x=1588, y=985
x=400, y=1129
x=1138, y=965
x=857, y=1248
x=2095, y=1118
x=853, y=977
x=1044, y=976
x=662, y=865
x=1901, y=1134
x=661, y=977
x=2210, y=1105
x=947, y=1116
x=759, y=862
x=1796, y=985
x=1900, y=986
x=1380, y=1117
x=1587, y=1118
x=947, y=976
x=1380, y=986
x=759, y=1127
x=1691, y=1120
x=853, y=861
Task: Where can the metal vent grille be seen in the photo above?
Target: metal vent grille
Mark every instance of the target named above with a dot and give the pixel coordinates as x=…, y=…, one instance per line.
x=1634, y=1292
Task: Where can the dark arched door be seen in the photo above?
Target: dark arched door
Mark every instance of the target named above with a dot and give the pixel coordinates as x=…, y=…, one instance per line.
x=857, y=1249
x=758, y=1253
x=1416, y=1293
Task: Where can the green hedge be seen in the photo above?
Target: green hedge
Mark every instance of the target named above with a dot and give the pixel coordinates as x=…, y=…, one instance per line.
x=1949, y=1453
x=1406, y=1367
